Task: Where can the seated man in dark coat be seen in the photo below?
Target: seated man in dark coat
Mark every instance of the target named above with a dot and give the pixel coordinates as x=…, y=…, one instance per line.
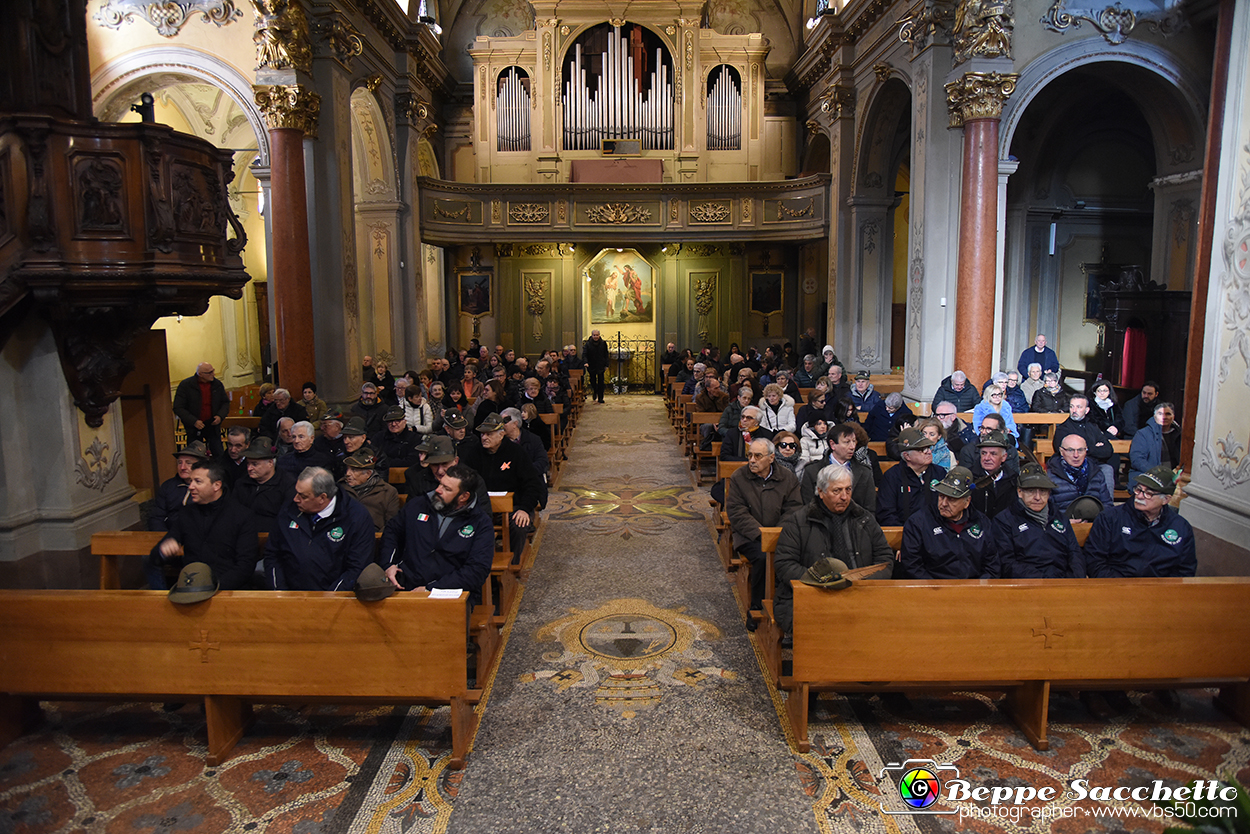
x=957, y=389
x=1097, y=441
x=1076, y=475
x=283, y=406
x=1145, y=536
x=1139, y=409
x=1035, y=540
x=321, y=541
x=842, y=444
x=994, y=486
x=907, y=486
x=831, y=526
x=233, y=462
x=303, y=454
x=267, y=489
x=212, y=529
x=952, y=540
x=397, y=443
x=734, y=444
x=506, y=468
x=886, y=416
x=370, y=409
x=760, y=494
x=171, y=495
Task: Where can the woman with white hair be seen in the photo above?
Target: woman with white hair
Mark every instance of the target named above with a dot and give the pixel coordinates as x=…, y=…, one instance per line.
x=1033, y=383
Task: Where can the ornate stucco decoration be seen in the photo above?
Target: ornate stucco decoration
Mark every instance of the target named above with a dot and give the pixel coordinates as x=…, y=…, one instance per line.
x=618, y=213
x=289, y=106
x=536, y=303
x=412, y=109
x=704, y=299
x=281, y=37
x=339, y=39
x=528, y=212
x=838, y=101
x=94, y=469
x=979, y=95
x=883, y=72
x=1117, y=21
x=982, y=29
x=930, y=25
x=168, y=16
x=710, y=212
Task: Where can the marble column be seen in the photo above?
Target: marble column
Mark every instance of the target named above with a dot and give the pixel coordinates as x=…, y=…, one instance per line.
x=290, y=112
x=975, y=101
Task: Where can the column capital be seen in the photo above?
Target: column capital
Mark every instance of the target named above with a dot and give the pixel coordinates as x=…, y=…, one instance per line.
x=289, y=106
x=978, y=95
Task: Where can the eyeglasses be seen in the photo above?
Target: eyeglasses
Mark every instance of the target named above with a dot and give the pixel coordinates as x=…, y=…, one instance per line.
x=786, y=446
x=996, y=396
x=946, y=414
x=1144, y=493
x=1073, y=451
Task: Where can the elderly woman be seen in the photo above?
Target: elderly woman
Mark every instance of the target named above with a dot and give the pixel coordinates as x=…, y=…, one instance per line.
x=994, y=402
x=1033, y=384
x=885, y=415
x=266, y=399
x=1051, y=398
x=787, y=452
x=778, y=409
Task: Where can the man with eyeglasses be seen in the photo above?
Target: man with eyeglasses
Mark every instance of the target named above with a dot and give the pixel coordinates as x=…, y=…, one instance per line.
x=909, y=486
x=1096, y=440
x=1145, y=536
x=1075, y=475
x=841, y=440
x=760, y=494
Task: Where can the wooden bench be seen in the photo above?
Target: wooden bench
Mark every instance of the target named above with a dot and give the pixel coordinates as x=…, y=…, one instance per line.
x=1022, y=637
x=235, y=649
x=698, y=456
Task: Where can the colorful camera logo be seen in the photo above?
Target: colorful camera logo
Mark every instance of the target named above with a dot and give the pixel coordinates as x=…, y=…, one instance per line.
x=920, y=787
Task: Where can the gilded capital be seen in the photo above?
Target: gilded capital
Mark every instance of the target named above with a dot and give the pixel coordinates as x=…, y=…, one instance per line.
x=979, y=95
x=289, y=105
x=281, y=36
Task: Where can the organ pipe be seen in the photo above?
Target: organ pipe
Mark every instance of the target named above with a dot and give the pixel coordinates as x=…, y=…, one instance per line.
x=724, y=112
x=619, y=107
x=512, y=112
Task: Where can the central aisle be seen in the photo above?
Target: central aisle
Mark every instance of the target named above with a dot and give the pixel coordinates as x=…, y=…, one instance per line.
x=629, y=697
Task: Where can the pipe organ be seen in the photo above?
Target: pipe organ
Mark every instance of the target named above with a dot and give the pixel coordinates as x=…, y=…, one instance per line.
x=610, y=95
x=724, y=110
x=512, y=110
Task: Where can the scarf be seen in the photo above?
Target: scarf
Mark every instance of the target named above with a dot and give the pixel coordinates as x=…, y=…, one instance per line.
x=1078, y=476
x=1041, y=517
x=1105, y=405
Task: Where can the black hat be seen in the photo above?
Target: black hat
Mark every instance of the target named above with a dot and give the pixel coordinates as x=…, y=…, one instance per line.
x=863, y=375
x=261, y=449
x=196, y=583
x=994, y=438
x=956, y=484
x=1160, y=479
x=393, y=413
x=493, y=422
x=355, y=426
x=194, y=449
x=372, y=584
x=336, y=416
x=1085, y=508
x=827, y=573
x=453, y=418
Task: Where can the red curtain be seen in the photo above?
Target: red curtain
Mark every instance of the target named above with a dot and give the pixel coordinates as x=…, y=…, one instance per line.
x=1133, y=358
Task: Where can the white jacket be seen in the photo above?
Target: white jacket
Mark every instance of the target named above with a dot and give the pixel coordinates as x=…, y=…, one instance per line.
x=813, y=447
x=780, y=420
x=420, y=418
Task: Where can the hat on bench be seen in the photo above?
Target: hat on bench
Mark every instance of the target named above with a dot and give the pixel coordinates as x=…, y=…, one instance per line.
x=827, y=573
x=372, y=584
x=1160, y=479
x=196, y=583
x=1085, y=508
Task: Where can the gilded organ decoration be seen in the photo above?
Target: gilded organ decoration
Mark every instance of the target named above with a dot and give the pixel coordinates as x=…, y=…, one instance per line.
x=979, y=95
x=838, y=101
x=342, y=40
x=1117, y=21
x=281, y=36
x=528, y=212
x=618, y=213
x=168, y=16
x=289, y=106
x=982, y=29
x=710, y=212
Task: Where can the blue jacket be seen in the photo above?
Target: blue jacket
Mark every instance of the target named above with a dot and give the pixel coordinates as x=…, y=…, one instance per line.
x=1121, y=543
x=933, y=550
x=1047, y=359
x=1028, y=550
x=1065, y=491
x=458, y=556
x=867, y=401
x=1016, y=399
x=902, y=493
x=880, y=421
x=326, y=556
x=983, y=408
x=1146, y=451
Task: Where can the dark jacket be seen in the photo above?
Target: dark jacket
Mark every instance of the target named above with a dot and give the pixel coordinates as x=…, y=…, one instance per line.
x=880, y=421
x=1028, y=550
x=400, y=448
x=752, y=502
x=1096, y=440
x=969, y=454
x=533, y=446
x=734, y=445
x=507, y=470
x=1045, y=402
x=269, y=421
x=863, y=482
x=1047, y=359
x=265, y=501
x=297, y=462
x=327, y=555
x=992, y=497
x=964, y=400
x=1113, y=416
x=1066, y=490
x=171, y=497
x=595, y=352
x=1137, y=414
x=431, y=554
x=902, y=493
x=1015, y=398
x=1146, y=450
x=371, y=414
x=810, y=534
x=188, y=401
x=378, y=497
x=932, y=549
x=236, y=470
x=221, y=536
x=1121, y=543
x=867, y=401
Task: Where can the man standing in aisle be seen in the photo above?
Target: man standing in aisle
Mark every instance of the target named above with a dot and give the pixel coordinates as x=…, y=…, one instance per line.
x=201, y=404
x=596, y=355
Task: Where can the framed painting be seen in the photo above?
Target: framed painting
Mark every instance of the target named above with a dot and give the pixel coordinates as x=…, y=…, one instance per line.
x=473, y=292
x=766, y=289
x=621, y=287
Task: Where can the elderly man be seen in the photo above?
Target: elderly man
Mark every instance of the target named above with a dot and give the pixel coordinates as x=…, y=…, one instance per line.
x=442, y=539
x=863, y=394
x=958, y=390
x=1075, y=475
x=284, y=444
x=951, y=540
x=1031, y=383
x=1097, y=442
x=506, y=468
x=953, y=428
x=201, y=404
x=805, y=375
x=303, y=455
x=363, y=483
x=267, y=489
x=839, y=388
x=832, y=525
x=515, y=431
x=993, y=485
x=211, y=529
x=330, y=440
x=1145, y=536
x=234, y=464
x=397, y=441
x=1040, y=354
x=1051, y=398
x=731, y=416
x=969, y=456
x=759, y=495
x=1158, y=443
x=171, y=495
x=283, y=406
x=734, y=444
x=321, y=541
x=886, y=417
x=370, y=409
x=908, y=486
x=1035, y=539
x=573, y=362
x=1140, y=409
x=456, y=426
x=841, y=440
x=595, y=354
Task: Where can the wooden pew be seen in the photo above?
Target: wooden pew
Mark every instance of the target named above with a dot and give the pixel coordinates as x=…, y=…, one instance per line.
x=699, y=456
x=502, y=570
x=724, y=540
x=1023, y=637
x=237, y=648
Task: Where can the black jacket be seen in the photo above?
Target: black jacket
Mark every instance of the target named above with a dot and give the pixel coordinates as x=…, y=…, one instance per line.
x=1096, y=440
x=507, y=470
x=269, y=421
x=431, y=554
x=1028, y=550
x=266, y=500
x=171, y=497
x=595, y=352
x=187, y=400
x=400, y=449
x=220, y=535
x=932, y=549
x=902, y=493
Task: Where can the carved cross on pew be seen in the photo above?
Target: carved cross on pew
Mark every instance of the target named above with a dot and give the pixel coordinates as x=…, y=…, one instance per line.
x=1047, y=632
x=204, y=646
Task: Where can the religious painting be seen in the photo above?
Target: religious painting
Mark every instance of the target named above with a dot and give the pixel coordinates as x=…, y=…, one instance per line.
x=474, y=292
x=766, y=292
x=621, y=285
